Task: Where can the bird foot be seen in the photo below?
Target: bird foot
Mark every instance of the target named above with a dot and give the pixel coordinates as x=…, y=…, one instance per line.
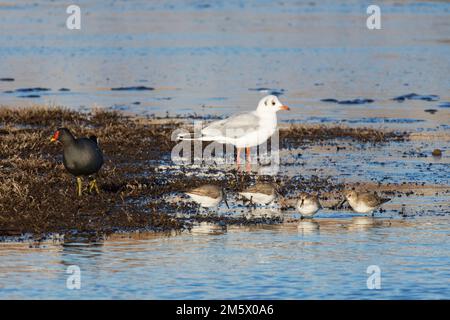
x=93, y=186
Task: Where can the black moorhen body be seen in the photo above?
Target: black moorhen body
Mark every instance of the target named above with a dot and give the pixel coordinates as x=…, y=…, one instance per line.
x=81, y=157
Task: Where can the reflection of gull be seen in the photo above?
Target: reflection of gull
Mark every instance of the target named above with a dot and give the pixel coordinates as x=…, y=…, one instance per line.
x=308, y=227
x=245, y=130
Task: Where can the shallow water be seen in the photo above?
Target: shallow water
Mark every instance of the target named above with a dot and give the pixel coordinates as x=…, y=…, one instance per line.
x=322, y=258
x=208, y=58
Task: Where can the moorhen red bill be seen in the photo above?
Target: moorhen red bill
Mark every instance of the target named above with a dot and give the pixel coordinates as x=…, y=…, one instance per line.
x=81, y=157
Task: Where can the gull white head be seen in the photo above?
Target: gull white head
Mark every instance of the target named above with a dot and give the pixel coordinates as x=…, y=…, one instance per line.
x=270, y=104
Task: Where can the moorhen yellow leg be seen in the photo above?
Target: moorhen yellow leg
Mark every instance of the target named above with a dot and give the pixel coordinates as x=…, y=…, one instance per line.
x=79, y=185
x=93, y=185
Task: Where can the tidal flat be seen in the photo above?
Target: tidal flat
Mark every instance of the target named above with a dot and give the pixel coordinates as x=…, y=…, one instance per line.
x=369, y=109
x=141, y=189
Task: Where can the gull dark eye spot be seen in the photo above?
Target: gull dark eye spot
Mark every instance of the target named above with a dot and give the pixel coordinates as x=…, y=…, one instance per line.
x=273, y=103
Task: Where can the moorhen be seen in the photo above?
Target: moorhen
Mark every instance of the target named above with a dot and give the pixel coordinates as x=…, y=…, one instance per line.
x=81, y=157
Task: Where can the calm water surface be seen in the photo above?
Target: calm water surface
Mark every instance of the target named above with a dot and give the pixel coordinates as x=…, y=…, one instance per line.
x=323, y=258
x=207, y=57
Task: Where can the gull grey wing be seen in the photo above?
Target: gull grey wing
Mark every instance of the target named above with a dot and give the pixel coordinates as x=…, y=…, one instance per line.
x=234, y=127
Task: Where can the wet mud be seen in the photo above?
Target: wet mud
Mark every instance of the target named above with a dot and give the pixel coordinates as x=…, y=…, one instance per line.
x=135, y=88
x=415, y=96
x=350, y=101
x=138, y=183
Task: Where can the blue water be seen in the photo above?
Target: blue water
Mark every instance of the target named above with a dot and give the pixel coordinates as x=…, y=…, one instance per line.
x=322, y=259
x=192, y=52
x=207, y=57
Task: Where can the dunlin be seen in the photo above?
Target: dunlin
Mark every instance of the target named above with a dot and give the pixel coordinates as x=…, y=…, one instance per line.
x=260, y=193
x=364, y=202
x=208, y=195
x=308, y=205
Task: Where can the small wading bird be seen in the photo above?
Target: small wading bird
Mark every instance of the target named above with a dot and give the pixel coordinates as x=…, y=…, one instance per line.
x=364, y=202
x=308, y=205
x=208, y=195
x=81, y=157
x=244, y=130
x=260, y=193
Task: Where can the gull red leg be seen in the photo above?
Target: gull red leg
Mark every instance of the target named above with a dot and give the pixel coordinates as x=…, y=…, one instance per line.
x=248, y=160
x=238, y=158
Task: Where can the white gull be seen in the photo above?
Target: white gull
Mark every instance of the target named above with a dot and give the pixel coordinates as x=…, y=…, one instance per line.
x=245, y=130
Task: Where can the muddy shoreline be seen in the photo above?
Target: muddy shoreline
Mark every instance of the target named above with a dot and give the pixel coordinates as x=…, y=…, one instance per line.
x=37, y=195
